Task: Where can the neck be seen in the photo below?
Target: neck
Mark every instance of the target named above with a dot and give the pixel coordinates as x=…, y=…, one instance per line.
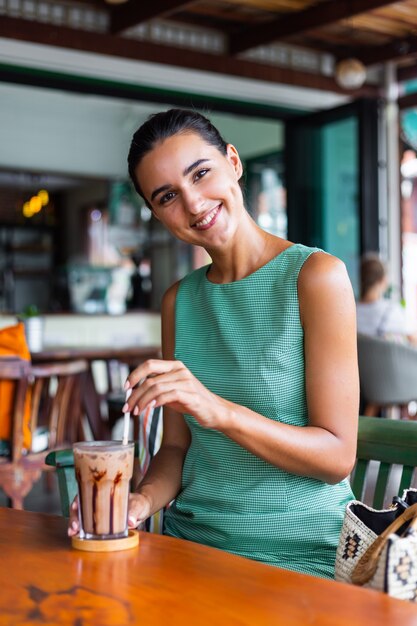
x=250, y=248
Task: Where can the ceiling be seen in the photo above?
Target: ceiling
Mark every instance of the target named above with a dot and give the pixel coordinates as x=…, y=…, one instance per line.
x=293, y=42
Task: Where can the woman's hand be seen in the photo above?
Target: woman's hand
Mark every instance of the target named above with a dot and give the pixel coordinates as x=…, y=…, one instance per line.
x=170, y=383
x=139, y=509
x=74, y=523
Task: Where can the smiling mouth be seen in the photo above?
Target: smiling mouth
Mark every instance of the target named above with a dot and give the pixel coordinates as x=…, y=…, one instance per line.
x=208, y=220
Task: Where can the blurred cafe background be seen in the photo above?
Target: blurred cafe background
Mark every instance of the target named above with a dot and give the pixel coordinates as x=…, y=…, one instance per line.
x=319, y=103
x=75, y=236
x=320, y=98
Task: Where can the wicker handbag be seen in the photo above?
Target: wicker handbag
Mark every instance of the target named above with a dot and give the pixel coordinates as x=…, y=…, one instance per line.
x=378, y=549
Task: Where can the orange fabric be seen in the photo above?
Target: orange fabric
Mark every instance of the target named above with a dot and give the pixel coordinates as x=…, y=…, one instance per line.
x=13, y=343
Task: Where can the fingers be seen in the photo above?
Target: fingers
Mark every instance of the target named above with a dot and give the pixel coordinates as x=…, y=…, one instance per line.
x=74, y=524
x=149, y=392
x=132, y=521
x=151, y=367
x=180, y=400
x=139, y=509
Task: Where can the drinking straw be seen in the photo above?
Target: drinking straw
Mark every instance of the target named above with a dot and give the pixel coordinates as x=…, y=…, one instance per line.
x=126, y=423
x=145, y=434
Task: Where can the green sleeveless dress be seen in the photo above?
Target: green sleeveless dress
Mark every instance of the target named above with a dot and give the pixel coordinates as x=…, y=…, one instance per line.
x=244, y=341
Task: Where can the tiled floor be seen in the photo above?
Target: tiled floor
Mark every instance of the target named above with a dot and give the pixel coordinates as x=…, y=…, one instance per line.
x=40, y=499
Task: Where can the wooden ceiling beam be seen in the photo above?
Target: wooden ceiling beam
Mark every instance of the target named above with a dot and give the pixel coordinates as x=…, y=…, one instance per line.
x=87, y=41
x=134, y=13
x=227, y=25
x=295, y=23
x=396, y=49
x=369, y=55
x=95, y=4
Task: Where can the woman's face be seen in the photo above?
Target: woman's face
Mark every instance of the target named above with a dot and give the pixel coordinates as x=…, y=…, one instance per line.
x=193, y=189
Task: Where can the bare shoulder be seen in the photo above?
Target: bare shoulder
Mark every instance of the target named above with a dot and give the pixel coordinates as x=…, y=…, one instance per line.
x=322, y=270
x=168, y=321
x=168, y=299
x=323, y=284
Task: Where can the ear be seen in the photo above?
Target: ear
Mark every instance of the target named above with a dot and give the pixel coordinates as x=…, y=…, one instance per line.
x=233, y=157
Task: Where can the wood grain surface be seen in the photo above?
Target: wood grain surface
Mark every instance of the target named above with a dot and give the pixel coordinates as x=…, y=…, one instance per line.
x=43, y=581
x=126, y=354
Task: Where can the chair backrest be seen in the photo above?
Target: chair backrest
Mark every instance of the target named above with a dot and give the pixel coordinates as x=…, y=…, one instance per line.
x=17, y=372
x=63, y=461
x=57, y=402
x=391, y=442
x=387, y=371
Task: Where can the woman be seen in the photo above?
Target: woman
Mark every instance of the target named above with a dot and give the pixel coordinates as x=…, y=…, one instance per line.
x=259, y=380
x=375, y=314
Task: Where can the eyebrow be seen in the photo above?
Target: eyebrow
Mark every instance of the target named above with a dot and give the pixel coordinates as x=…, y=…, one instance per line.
x=187, y=171
x=192, y=167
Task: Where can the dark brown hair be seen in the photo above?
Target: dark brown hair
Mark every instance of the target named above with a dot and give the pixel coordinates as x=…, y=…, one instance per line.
x=163, y=125
x=372, y=272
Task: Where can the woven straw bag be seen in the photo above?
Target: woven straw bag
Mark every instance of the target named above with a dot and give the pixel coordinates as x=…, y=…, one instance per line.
x=378, y=549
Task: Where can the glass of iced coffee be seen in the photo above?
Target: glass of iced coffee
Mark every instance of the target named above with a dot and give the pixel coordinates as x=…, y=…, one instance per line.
x=103, y=470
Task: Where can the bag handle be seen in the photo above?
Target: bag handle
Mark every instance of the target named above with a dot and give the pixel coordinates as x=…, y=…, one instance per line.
x=367, y=564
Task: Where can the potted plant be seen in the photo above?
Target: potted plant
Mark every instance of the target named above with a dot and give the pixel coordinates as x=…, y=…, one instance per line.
x=33, y=322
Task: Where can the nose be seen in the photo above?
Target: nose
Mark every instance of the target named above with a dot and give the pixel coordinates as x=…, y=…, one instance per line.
x=193, y=201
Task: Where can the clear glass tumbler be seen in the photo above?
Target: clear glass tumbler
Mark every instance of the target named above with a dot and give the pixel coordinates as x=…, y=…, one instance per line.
x=103, y=470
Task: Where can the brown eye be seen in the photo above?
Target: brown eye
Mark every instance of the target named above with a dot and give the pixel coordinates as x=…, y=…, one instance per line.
x=200, y=174
x=166, y=197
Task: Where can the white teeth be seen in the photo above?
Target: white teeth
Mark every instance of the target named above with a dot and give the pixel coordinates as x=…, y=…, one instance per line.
x=207, y=219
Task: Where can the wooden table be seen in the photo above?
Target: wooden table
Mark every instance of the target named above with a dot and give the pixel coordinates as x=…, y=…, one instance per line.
x=132, y=355
x=43, y=581
x=128, y=354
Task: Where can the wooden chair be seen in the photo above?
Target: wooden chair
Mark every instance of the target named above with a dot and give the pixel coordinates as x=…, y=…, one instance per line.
x=392, y=443
x=55, y=406
x=12, y=477
x=57, y=401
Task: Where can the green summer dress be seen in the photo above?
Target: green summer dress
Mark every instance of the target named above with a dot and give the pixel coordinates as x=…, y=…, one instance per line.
x=244, y=341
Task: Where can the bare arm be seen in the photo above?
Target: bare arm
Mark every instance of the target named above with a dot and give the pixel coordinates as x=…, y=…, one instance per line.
x=325, y=448
x=162, y=481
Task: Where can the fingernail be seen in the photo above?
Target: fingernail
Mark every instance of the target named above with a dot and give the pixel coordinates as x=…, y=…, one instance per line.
x=126, y=386
x=152, y=404
x=131, y=520
x=125, y=407
x=74, y=525
x=136, y=411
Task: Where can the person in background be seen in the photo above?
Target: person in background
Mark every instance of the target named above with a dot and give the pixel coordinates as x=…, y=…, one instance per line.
x=376, y=315
x=258, y=382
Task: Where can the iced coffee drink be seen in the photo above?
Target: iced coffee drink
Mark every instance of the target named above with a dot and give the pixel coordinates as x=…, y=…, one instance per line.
x=103, y=470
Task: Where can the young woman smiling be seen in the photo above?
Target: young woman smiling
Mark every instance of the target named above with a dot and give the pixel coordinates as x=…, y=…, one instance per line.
x=258, y=380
